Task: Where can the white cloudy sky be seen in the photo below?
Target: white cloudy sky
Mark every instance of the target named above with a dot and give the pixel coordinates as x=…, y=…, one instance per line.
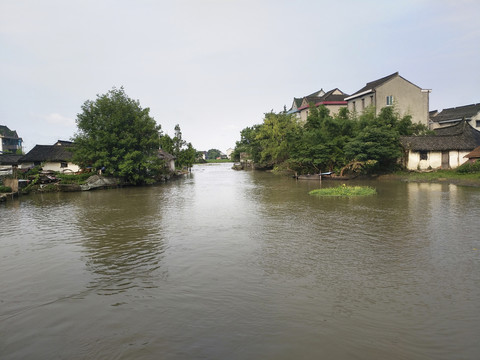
x=216, y=66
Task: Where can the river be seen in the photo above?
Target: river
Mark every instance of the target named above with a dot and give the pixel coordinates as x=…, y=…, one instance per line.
x=230, y=264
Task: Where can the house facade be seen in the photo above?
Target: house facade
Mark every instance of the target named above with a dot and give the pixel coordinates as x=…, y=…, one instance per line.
x=55, y=157
x=451, y=116
x=392, y=90
x=447, y=149
x=9, y=140
x=333, y=100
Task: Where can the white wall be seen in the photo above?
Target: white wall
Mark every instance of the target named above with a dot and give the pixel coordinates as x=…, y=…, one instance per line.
x=434, y=160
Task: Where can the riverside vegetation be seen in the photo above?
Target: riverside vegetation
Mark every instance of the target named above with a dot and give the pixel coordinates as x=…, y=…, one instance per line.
x=344, y=143
x=328, y=143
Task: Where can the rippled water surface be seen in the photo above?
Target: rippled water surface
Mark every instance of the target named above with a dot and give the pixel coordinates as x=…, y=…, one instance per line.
x=241, y=265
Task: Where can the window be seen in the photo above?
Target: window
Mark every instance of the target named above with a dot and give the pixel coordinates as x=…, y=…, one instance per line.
x=423, y=155
x=63, y=164
x=371, y=100
x=354, y=106
x=477, y=123
x=363, y=104
x=390, y=100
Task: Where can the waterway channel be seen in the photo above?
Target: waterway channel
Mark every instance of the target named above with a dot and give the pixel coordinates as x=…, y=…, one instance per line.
x=228, y=264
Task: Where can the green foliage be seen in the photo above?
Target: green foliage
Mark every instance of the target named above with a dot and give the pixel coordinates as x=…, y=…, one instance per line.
x=185, y=153
x=344, y=190
x=213, y=154
x=274, y=138
x=116, y=133
x=5, y=189
x=469, y=168
x=325, y=142
x=73, y=178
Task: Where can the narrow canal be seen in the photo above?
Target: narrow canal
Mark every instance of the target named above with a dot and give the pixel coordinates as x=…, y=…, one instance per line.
x=241, y=265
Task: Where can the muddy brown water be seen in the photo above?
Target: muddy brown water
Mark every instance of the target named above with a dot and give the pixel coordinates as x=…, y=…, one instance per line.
x=241, y=265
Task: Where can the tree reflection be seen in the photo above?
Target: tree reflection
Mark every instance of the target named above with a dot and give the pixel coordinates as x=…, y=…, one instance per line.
x=123, y=239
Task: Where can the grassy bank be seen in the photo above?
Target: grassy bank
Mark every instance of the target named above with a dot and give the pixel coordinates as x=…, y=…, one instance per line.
x=448, y=176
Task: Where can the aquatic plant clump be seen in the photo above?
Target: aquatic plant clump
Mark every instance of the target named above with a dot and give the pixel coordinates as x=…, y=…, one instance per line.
x=344, y=190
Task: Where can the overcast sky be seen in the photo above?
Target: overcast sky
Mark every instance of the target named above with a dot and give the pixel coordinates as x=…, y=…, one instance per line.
x=216, y=66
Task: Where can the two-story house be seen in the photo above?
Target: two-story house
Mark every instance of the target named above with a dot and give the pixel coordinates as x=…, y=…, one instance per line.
x=9, y=140
x=333, y=100
x=392, y=90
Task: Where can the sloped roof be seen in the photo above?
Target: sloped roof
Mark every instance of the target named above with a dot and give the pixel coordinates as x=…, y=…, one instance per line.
x=460, y=136
x=48, y=153
x=297, y=102
x=162, y=154
x=6, y=132
x=9, y=159
x=331, y=96
x=457, y=113
x=374, y=84
x=475, y=154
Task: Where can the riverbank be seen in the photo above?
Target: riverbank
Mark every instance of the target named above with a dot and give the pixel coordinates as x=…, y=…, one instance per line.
x=438, y=176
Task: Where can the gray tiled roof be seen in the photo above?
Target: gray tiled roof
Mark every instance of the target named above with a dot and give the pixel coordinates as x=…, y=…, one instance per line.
x=373, y=84
x=162, y=154
x=460, y=136
x=47, y=153
x=457, y=113
x=6, y=132
x=9, y=159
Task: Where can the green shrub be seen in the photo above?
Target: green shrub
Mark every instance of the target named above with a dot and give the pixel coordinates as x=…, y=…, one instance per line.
x=5, y=189
x=469, y=168
x=344, y=190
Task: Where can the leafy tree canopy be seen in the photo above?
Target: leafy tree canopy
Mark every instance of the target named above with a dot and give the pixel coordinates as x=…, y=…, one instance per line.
x=325, y=142
x=115, y=133
x=184, y=152
x=213, y=153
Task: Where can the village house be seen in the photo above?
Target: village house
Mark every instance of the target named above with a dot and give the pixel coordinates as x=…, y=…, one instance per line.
x=9, y=140
x=450, y=116
x=9, y=163
x=446, y=149
x=55, y=157
x=333, y=100
x=168, y=158
x=392, y=90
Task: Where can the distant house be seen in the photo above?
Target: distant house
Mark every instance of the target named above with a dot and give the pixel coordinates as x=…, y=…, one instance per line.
x=8, y=163
x=333, y=100
x=9, y=140
x=229, y=152
x=168, y=158
x=55, y=157
x=450, y=116
x=473, y=155
x=392, y=90
x=446, y=149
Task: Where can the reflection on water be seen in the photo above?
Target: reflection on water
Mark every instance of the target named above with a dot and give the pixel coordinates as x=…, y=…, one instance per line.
x=225, y=264
x=123, y=239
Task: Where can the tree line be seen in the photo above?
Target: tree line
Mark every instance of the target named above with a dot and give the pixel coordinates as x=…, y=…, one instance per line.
x=325, y=142
x=120, y=137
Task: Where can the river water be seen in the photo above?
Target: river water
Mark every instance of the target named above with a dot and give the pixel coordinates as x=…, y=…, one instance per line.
x=241, y=265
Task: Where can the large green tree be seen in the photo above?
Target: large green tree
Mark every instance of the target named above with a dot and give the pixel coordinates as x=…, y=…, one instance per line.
x=115, y=133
